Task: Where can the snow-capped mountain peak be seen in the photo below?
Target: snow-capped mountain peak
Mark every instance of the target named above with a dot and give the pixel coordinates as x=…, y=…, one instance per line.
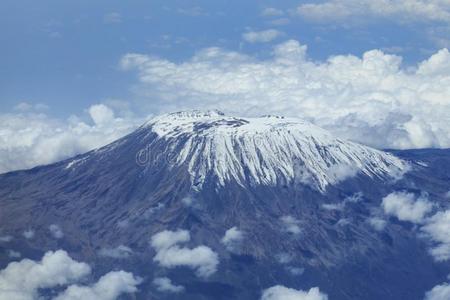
x=266, y=150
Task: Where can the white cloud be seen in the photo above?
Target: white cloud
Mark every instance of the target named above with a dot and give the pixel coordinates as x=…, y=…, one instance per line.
x=21, y=280
x=28, y=234
x=356, y=197
x=397, y=10
x=334, y=206
x=30, y=139
x=233, y=238
x=263, y=36
x=437, y=228
x=343, y=222
x=290, y=224
x=14, y=254
x=188, y=200
x=166, y=239
x=5, y=238
x=406, y=207
x=25, y=106
x=377, y=223
x=109, y=287
x=280, y=21
x=284, y=258
x=295, y=270
x=280, y=292
x=120, y=252
x=164, y=284
x=370, y=99
x=271, y=12
x=341, y=172
x=123, y=223
x=170, y=255
x=56, y=231
x=101, y=114
x=439, y=292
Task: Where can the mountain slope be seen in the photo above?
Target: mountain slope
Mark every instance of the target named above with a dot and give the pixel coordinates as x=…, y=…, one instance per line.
x=302, y=199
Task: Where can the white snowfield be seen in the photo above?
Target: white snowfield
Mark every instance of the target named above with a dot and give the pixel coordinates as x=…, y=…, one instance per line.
x=267, y=150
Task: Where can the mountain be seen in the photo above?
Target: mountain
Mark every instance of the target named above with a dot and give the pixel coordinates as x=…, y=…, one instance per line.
x=263, y=150
x=244, y=204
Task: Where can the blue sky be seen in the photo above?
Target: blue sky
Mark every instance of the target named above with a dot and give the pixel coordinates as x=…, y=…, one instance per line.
x=65, y=54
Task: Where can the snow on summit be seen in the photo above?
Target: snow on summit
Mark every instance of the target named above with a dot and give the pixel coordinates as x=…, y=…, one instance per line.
x=266, y=150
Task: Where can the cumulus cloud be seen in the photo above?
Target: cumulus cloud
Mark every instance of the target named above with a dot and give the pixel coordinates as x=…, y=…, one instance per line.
x=166, y=239
x=341, y=172
x=170, y=255
x=233, y=238
x=280, y=292
x=437, y=228
x=30, y=139
x=22, y=280
x=406, y=207
x=101, y=114
x=263, y=36
x=439, y=292
x=290, y=224
x=377, y=223
x=28, y=234
x=108, y=287
x=397, y=10
x=164, y=284
x=56, y=231
x=120, y=252
x=371, y=99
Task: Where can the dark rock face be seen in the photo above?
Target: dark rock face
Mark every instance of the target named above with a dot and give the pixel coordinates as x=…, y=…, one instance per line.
x=117, y=196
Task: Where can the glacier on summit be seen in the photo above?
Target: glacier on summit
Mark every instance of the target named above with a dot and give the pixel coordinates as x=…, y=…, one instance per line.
x=266, y=150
